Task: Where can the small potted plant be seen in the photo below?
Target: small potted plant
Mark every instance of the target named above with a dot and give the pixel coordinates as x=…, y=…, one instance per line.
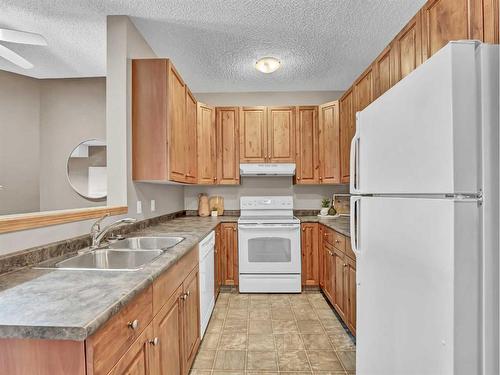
x=325, y=206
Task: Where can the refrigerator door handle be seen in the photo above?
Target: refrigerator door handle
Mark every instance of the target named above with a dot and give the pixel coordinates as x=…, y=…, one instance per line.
x=355, y=218
x=354, y=172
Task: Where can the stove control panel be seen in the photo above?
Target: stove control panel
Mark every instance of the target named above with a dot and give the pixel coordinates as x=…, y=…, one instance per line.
x=266, y=203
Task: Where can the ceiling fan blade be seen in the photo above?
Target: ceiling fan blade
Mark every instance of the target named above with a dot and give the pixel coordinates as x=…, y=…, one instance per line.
x=22, y=37
x=14, y=58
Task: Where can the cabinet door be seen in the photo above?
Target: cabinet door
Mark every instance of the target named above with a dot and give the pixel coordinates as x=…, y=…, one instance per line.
x=328, y=269
x=307, y=162
x=408, y=48
x=329, y=143
x=167, y=327
x=442, y=21
x=253, y=134
x=177, y=138
x=191, y=141
x=281, y=135
x=338, y=292
x=207, y=161
x=350, y=294
x=191, y=318
x=484, y=20
x=228, y=158
x=347, y=131
x=136, y=361
x=383, y=72
x=229, y=236
x=218, y=261
x=310, y=261
x=363, y=90
x=321, y=256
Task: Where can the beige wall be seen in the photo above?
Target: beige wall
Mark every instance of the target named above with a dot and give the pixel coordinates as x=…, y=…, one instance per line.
x=71, y=111
x=268, y=98
x=125, y=43
x=19, y=143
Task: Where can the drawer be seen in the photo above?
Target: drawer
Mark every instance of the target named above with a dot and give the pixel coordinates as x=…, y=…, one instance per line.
x=348, y=249
x=105, y=347
x=334, y=238
x=168, y=282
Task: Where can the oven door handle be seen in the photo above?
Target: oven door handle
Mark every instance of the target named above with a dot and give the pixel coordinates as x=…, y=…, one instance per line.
x=268, y=226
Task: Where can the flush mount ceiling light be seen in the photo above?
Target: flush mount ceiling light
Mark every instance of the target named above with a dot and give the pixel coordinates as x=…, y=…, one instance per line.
x=19, y=37
x=267, y=64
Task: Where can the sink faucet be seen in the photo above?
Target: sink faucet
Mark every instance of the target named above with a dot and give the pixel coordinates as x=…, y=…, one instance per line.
x=99, y=234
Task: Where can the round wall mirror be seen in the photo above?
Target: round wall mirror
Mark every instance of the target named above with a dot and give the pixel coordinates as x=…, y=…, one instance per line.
x=86, y=169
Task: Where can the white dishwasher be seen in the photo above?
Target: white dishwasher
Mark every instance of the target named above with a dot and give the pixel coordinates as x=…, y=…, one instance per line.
x=207, y=281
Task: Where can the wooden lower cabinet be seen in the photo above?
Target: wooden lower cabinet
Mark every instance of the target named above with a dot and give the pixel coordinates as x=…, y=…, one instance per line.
x=218, y=261
x=310, y=254
x=191, y=317
x=338, y=274
x=229, y=247
x=350, y=294
x=338, y=280
x=138, y=359
x=167, y=328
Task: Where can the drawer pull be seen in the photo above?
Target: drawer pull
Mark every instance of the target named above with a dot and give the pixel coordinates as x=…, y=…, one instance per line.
x=337, y=241
x=133, y=324
x=154, y=341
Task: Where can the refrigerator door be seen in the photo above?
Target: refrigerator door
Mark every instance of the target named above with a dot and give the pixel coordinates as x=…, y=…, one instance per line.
x=423, y=135
x=418, y=285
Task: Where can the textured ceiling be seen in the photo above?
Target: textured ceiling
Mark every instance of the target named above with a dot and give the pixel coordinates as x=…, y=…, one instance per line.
x=323, y=44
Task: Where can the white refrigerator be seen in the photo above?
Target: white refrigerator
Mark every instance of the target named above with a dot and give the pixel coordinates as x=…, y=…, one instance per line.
x=424, y=219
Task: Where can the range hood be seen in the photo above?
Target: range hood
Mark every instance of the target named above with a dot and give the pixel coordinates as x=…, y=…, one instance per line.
x=267, y=169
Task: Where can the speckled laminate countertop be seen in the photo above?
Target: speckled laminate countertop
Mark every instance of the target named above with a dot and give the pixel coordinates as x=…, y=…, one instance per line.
x=71, y=305
x=339, y=224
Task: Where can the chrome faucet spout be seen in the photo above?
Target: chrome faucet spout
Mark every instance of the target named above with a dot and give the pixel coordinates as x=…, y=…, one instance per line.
x=99, y=234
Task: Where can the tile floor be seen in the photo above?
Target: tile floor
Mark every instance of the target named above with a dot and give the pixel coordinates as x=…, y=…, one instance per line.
x=291, y=334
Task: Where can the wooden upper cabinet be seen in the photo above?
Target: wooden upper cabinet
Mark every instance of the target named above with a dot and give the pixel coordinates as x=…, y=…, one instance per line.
x=485, y=20
x=281, y=135
x=443, y=21
x=384, y=71
x=307, y=138
x=253, y=134
x=363, y=90
x=178, y=135
x=347, y=131
x=228, y=158
x=163, y=123
x=207, y=162
x=191, y=140
x=407, y=48
x=329, y=143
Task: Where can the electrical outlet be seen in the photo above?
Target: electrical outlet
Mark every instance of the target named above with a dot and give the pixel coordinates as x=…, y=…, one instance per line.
x=153, y=205
x=139, y=207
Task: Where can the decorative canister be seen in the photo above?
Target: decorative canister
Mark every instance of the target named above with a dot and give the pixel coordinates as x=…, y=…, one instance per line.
x=218, y=203
x=203, y=209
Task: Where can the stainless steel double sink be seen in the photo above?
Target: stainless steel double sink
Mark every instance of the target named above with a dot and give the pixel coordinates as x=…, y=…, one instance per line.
x=129, y=254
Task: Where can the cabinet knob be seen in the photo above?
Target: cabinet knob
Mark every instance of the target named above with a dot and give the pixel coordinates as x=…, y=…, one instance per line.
x=321, y=178
x=234, y=229
x=154, y=341
x=337, y=241
x=188, y=293
x=345, y=265
x=183, y=296
x=215, y=178
x=133, y=324
x=303, y=229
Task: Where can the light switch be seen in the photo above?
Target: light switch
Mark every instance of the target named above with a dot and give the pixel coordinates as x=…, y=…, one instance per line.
x=153, y=205
x=139, y=207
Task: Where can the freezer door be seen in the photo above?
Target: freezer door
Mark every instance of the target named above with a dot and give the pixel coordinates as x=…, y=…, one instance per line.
x=423, y=135
x=418, y=286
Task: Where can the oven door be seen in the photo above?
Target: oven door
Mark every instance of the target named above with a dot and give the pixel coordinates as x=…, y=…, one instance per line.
x=269, y=248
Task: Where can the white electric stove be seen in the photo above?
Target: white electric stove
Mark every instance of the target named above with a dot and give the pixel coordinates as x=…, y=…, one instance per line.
x=269, y=246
